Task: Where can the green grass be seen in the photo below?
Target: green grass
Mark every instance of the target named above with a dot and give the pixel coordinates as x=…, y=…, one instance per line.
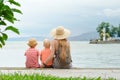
x=18, y=76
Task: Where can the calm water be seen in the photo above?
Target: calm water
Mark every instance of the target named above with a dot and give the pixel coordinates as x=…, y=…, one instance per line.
x=84, y=55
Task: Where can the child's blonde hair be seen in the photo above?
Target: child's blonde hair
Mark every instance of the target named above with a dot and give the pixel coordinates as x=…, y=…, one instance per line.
x=32, y=42
x=46, y=43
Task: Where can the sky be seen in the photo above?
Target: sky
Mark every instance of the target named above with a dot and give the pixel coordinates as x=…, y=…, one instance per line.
x=79, y=16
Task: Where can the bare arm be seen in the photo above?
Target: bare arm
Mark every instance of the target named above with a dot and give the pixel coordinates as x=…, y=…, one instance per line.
x=25, y=53
x=69, y=51
x=40, y=55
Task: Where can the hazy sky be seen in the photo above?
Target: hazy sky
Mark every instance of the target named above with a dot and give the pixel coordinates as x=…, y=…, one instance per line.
x=80, y=16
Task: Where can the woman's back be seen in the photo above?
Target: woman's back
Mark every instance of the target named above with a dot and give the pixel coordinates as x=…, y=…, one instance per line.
x=62, y=57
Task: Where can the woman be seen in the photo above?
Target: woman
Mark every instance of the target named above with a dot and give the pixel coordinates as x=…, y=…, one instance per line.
x=60, y=49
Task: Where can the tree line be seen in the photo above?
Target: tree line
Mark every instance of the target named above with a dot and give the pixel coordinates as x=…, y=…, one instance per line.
x=105, y=28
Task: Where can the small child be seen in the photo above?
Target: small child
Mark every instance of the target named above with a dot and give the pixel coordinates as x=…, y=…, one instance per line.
x=45, y=53
x=32, y=55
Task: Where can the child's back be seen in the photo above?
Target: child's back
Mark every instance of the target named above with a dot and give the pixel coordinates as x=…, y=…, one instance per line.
x=45, y=53
x=32, y=55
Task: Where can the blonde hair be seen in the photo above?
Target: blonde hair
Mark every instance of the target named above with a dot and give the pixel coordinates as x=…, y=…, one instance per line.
x=64, y=47
x=32, y=42
x=46, y=43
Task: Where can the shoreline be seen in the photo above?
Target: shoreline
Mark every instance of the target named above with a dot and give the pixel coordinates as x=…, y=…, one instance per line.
x=73, y=72
x=104, y=42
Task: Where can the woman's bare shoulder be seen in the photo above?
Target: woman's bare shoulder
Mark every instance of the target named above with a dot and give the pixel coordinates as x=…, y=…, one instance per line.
x=54, y=41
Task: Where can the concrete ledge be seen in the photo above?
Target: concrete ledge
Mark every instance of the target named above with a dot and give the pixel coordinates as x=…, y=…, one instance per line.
x=74, y=72
x=23, y=68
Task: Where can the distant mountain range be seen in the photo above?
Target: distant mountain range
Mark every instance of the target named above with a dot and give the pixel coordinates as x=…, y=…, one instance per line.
x=83, y=37
x=39, y=38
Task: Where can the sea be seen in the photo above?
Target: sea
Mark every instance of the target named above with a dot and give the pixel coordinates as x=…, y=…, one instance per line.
x=84, y=55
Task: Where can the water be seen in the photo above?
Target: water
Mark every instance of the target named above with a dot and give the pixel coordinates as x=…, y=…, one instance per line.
x=84, y=55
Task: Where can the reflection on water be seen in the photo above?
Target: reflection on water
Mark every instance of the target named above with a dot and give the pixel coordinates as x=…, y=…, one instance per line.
x=84, y=55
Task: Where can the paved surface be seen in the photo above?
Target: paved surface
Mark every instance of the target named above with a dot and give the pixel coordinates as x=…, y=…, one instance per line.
x=75, y=72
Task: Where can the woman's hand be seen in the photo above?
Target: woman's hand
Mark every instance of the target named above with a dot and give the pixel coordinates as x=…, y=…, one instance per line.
x=42, y=65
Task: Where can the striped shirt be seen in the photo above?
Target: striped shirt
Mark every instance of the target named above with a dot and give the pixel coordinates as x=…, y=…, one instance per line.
x=32, y=56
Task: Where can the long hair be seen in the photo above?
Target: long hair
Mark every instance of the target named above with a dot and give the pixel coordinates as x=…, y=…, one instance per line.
x=64, y=47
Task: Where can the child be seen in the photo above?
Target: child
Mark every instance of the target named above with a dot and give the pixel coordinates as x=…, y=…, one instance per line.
x=45, y=53
x=32, y=55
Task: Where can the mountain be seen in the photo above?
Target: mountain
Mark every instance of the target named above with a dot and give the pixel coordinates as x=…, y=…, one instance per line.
x=39, y=38
x=85, y=36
